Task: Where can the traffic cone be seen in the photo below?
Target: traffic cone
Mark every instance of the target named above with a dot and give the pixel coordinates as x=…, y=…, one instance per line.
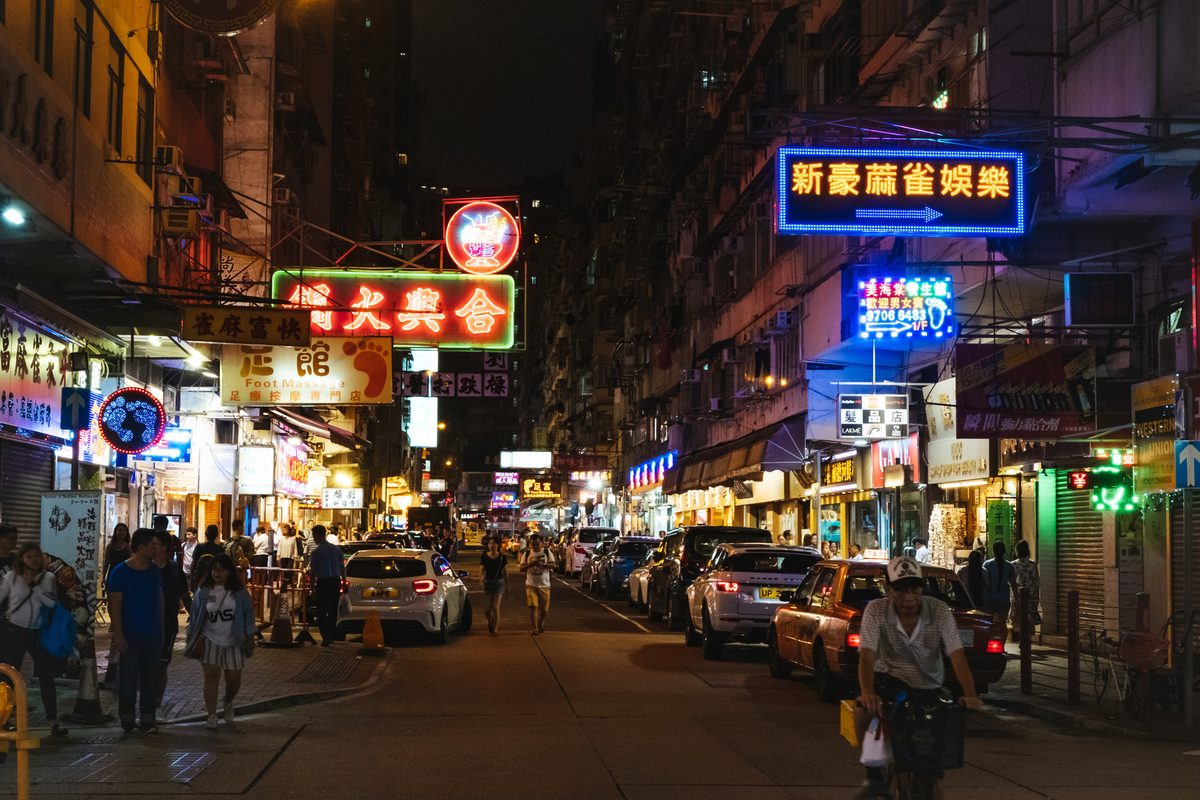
x=87, y=702
x=281, y=628
x=372, y=636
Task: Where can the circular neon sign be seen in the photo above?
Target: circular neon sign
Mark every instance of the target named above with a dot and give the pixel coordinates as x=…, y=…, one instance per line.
x=131, y=420
x=482, y=238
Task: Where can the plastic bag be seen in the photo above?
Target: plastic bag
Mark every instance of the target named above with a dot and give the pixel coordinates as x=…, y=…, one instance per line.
x=876, y=751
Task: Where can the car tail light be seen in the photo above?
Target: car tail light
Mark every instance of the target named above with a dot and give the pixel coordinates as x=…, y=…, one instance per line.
x=683, y=558
x=424, y=586
x=853, y=639
x=727, y=586
x=995, y=646
x=581, y=550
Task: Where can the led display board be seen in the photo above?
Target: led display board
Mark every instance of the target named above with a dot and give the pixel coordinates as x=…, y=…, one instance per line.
x=902, y=307
x=602, y=475
x=1099, y=298
x=132, y=420
x=505, y=500
x=873, y=416
x=174, y=446
x=416, y=309
x=883, y=191
x=422, y=426
x=652, y=472
x=482, y=238
x=291, y=475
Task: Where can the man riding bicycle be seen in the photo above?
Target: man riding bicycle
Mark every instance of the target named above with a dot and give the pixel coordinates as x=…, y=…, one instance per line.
x=903, y=638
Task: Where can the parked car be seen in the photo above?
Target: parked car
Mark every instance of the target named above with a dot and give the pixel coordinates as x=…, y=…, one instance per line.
x=590, y=568
x=818, y=627
x=618, y=562
x=736, y=596
x=413, y=590
x=685, y=551
x=637, y=580
x=582, y=544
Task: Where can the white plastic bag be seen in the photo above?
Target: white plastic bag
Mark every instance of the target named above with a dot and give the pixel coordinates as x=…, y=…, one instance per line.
x=876, y=750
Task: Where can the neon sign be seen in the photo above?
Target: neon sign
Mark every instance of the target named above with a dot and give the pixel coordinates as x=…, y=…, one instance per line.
x=899, y=306
x=132, y=420
x=889, y=192
x=292, y=466
x=505, y=500
x=482, y=238
x=417, y=309
x=534, y=488
x=651, y=473
x=1112, y=489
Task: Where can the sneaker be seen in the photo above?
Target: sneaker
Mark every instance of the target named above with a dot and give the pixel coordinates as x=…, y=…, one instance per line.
x=150, y=729
x=212, y=722
x=229, y=711
x=57, y=730
x=871, y=790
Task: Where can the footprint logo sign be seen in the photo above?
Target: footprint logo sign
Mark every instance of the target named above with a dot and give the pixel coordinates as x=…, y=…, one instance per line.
x=372, y=357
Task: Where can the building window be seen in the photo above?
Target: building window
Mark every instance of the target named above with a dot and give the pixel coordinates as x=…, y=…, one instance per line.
x=83, y=65
x=368, y=22
x=145, y=131
x=116, y=99
x=536, y=203
x=43, y=34
x=402, y=159
x=367, y=72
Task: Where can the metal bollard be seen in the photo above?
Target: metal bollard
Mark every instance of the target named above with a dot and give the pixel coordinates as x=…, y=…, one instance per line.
x=1073, y=646
x=20, y=736
x=1026, y=635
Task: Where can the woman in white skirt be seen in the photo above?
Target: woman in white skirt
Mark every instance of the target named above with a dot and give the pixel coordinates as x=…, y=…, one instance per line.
x=221, y=634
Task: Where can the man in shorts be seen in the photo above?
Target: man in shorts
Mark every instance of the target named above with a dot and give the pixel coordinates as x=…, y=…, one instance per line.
x=536, y=562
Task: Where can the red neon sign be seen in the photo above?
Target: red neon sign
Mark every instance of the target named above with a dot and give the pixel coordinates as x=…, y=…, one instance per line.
x=482, y=238
x=1079, y=480
x=415, y=308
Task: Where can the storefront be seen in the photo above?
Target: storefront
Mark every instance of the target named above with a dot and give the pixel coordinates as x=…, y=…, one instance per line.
x=650, y=508
x=845, y=512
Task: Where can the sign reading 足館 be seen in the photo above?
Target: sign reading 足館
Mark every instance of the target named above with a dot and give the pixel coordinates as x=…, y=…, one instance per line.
x=332, y=370
x=240, y=325
x=882, y=191
x=1154, y=434
x=417, y=309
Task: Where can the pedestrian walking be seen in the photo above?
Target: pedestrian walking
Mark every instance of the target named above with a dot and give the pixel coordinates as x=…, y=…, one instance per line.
x=495, y=582
x=1001, y=582
x=974, y=579
x=221, y=634
x=190, y=542
x=176, y=598
x=203, y=555
x=117, y=552
x=536, y=561
x=239, y=548
x=264, y=545
x=289, y=550
x=1029, y=579
x=135, y=601
x=328, y=570
x=923, y=553
x=174, y=545
x=27, y=592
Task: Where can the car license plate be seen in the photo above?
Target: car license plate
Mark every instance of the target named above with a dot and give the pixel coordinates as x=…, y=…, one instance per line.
x=379, y=592
x=769, y=593
x=967, y=637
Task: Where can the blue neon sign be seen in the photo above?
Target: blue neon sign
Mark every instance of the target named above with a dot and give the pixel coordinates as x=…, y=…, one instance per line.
x=899, y=306
x=652, y=472
x=883, y=191
x=175, y=446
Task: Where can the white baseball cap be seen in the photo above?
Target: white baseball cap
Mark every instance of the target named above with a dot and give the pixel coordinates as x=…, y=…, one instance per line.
x=902, y=568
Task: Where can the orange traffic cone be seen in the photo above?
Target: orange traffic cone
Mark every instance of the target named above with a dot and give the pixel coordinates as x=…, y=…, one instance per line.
x=281, y=627
x=372, y=636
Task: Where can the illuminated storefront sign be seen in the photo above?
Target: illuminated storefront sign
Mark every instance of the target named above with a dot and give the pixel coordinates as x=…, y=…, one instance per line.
x=221, y=17
x=291, y=478
x=332, y=370
x=604, y=475
x=482, y=238
x=256, y=470
x=873, y=416
x=504, y=500
x=651, y=473
x=903, y=307
x=417, y=309
x=132, y=420
x=888, y=192
x=175, y=445
x=246, y=325
x=535, y=489
x=507, y=479
x=838, y=472
x=341, y=498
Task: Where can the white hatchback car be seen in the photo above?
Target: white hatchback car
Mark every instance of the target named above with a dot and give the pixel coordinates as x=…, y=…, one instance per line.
x=581, y=546
x=737, y=594
x=413, y=590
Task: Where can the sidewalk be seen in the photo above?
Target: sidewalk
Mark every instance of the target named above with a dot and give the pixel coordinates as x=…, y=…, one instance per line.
x=273, y=677
x=1049, y=700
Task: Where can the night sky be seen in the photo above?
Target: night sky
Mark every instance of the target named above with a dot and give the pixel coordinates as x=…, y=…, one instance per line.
x=508, y=86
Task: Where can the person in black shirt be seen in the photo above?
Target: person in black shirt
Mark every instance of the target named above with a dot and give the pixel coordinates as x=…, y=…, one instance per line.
x=202, y=556
x=494, y=582
x=175, y=596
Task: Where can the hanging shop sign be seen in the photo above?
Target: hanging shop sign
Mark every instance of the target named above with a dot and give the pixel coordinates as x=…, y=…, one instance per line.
x=226, y=325
x=71, y=530
x=1099, y=298
x=890, y=454
x=873, y=416
x=451, y=384
x=569, y=462
x=1154, y=433
x=899, y=307
x=132, y=420
x=1037, y=392
x=532, y=488
x=341, y=498
x=256, y=470
x=433, y=485
x=416, y=309
x=602, y=475
x=291, y=465
x=505, y=500
x=950, y=459
x=332, y=370
x=32, y=367
x=838, y=472
x=881, y=191
x=651, y=473
x=482, y=238
x=528, y=459
x=220, y=17
x=310, y=502
x=422, y=424
x=507, y=479
x=174, y=446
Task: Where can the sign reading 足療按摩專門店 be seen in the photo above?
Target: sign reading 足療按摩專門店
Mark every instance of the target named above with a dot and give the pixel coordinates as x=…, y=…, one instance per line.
x=891, y=192
x=421, y=309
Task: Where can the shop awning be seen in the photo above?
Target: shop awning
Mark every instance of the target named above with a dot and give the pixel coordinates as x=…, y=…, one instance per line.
x=318, y=427
x=777, y=447
x=670, y=484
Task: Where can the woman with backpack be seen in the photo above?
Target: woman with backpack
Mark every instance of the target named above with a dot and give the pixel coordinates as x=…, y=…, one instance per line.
x=27, y=594
x=221, y=634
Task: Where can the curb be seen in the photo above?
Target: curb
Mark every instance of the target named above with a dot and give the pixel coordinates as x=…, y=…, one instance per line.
x=1069, y=719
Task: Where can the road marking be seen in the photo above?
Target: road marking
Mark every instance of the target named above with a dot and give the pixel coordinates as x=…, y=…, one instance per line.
x=639, y=625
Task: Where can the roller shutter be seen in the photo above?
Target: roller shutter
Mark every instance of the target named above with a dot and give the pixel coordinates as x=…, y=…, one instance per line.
x=26, y=471
x=1178, y=583
x=1080, y=553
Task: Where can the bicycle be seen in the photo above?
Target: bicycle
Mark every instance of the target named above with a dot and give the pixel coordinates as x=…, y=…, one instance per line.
x=1107, y=669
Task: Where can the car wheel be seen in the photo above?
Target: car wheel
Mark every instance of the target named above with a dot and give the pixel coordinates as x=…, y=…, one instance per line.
x=655, y=616
x=674, y=613
x=691, y=636
x=466, y=617
x=713, y=641
x=442, y=634
x=611, y=590
x=828, y=690
x=778, y=667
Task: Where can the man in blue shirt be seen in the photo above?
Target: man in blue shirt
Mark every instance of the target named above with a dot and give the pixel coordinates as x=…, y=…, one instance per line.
x=135, y=602
x=328, y=570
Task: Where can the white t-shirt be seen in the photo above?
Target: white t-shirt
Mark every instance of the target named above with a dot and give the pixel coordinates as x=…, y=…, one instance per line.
x=537, y=575
x=218, y=620
x=923, y=554
x=287, y=547
x=262, y=544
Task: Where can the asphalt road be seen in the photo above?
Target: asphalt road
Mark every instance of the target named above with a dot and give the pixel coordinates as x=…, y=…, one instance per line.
x=605, y=704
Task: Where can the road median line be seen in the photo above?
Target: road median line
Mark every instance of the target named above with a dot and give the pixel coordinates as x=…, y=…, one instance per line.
x=634, y=622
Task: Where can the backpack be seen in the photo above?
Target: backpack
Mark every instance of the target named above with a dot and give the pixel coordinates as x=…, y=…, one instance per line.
x=58, y=632
x=237, y=552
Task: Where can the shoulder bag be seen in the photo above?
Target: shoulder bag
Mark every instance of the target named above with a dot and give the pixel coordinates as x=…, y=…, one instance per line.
x=197, y=650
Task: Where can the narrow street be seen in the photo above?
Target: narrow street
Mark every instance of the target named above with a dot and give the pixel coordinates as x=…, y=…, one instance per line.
x=594, y=708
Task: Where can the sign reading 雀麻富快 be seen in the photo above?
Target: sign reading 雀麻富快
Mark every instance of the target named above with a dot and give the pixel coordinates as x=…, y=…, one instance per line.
x=238, y=325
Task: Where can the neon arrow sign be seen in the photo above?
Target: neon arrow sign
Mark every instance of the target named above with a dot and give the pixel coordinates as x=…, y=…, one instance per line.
x=925, y=215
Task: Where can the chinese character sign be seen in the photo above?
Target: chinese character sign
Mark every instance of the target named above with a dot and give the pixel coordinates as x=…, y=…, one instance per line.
x=889, y=192
x=482, y=238
x=534, y=488
x=32, y=368
x=332, y=370
x=341, y=498
x=417, y=309
x=241, y=325
x=71, y=524
x=902, y=307
x=872, y=416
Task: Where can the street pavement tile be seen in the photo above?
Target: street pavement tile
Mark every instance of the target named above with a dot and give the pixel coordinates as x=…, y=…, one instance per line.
x=703, y=792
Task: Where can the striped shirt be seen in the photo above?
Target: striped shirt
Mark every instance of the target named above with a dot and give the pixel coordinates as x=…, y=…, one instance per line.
x=915, y=659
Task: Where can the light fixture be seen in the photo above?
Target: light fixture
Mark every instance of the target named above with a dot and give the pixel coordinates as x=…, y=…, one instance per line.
x=594, y=484
x=964, y=484
x=441, y=426
x=343, y=479
x=155, y=341
x=208, y=373
x=294, y=441
x=447, y=462
x=12, y=213
x=195, y=361
x=861, y=443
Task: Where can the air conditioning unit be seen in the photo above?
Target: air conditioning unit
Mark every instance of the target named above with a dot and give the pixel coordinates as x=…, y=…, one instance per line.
x=781, y=321
x=169, y=159
x=729, y=355
x=760, y=335
x=1175, y=352
x=187, y=189
x=230, y=108
x=716, y=404
x=183, y=223
x=285, y=101
x=282, y=197
x=690, y=376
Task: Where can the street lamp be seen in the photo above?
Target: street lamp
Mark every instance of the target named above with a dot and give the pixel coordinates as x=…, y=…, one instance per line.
x=343, y=479
x=12, y=213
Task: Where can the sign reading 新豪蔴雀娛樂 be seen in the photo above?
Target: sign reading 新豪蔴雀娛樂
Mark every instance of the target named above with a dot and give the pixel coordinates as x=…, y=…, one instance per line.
x=890, y=192
x=418, y=309
x=903, y=307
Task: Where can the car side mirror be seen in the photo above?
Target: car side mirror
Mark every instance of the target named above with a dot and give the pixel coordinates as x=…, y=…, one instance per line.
x=787, y=597
x=463, y=574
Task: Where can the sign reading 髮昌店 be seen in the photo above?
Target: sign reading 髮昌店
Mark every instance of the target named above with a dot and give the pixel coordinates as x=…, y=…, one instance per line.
x=882, y=191
x=332, y=370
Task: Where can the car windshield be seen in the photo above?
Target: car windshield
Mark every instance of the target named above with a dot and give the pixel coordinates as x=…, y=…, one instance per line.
x=590, y=537
x=708, y=539
x=865, y=588
x=781, y=563
x=385, y=568
x=632, y=548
